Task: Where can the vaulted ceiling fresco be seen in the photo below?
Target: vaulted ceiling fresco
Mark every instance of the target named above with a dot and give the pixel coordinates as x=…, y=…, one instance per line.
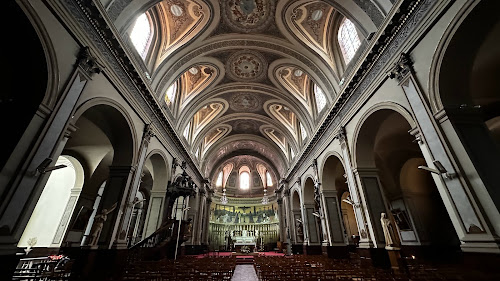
x=245, y=80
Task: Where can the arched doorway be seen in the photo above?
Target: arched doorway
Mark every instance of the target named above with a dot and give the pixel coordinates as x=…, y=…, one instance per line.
x=469, y=91
x=341, y=221
x=388, y=158
x=51, y=215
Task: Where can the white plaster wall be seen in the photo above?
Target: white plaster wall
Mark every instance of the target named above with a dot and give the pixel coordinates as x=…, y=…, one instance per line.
x=50, y=207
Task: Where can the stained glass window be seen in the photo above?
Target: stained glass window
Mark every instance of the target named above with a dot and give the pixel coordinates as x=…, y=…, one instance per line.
x=141, y=35
x=348, y=40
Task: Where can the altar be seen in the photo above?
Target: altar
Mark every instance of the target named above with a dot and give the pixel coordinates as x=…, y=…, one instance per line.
x=242, y=238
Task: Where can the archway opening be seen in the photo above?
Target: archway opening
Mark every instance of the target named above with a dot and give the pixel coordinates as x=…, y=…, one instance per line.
x=51, y=215
x=469, y=90
x=388, y=160
x=103, y=143
x=311, y=205
x=27, y=66
x=341, y=221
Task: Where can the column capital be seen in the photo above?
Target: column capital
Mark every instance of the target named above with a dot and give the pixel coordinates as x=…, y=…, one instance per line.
x=342, y=136
x=87, y=62
x=148, y=133
x=401, y=68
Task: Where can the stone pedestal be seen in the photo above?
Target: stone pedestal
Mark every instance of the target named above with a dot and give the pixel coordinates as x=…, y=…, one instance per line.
x=395, y=259
x=377, y=257
x=312, y=249
x=335, y=252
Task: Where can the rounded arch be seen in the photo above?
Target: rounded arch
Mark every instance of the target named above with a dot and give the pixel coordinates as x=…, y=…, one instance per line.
x=115, y=122
x=332, y=174
x=157, y=164
x=387, y=155
x=474, y=31
x=30, y=46
x=296, y=199
x=361, y=144
x=308, y=190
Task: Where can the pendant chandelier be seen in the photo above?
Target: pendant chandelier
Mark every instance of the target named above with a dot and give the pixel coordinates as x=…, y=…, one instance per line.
x=265, y=199
x=223, y=199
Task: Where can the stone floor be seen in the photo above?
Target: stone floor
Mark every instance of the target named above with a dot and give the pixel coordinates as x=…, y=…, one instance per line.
x=244, y=272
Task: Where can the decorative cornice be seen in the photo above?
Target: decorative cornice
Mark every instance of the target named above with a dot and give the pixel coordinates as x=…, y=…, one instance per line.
x=90, y=18
x=393, y=36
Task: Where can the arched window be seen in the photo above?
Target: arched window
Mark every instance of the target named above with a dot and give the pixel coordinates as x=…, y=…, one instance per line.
x=269, y=179
x=303, y=132
x=245, y=178
x=348, y=40
x=319, y=95
x=141, y=35
x=171, y=93
x=218, y=183
x=186, y=131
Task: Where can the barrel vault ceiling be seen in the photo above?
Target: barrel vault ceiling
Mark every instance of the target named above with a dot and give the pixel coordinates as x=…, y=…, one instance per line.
x=242, y=81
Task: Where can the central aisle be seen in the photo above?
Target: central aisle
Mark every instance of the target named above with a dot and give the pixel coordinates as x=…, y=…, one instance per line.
x=244, y=272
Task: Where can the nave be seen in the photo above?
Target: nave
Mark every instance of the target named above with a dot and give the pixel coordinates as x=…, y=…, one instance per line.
x=152, y=139
x=265, y=267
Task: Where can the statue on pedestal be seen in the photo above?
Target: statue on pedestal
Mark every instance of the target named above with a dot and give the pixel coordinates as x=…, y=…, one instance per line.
x=99, y=223
x=389, y=234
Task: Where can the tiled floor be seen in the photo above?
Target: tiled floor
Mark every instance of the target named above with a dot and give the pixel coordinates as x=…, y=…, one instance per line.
x=244, y=272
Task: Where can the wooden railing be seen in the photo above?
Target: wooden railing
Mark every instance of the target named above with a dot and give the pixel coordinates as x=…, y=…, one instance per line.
x=159, y=244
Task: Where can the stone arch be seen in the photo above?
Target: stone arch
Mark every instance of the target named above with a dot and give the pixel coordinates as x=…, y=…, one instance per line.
x=466, y=95
x=105, y=141
x=157, y=164
x=296, y=206
x=118, y=120
x=32, y=48
x=381, y=108
x=310, y=207
x=387, y=158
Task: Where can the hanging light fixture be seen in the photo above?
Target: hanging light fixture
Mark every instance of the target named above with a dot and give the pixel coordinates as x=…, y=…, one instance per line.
x=223, y=199
x=265, y=199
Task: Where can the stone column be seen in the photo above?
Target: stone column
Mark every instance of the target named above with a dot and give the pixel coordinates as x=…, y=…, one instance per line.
x=206, y=221
x=321, y=205
x=359, y=206
x=127, y=206
x=201, y=216
x=18, y=204
x=289, y=220
x=466, y=216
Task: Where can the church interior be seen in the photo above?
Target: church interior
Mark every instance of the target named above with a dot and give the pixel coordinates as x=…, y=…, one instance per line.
x=250, y=140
